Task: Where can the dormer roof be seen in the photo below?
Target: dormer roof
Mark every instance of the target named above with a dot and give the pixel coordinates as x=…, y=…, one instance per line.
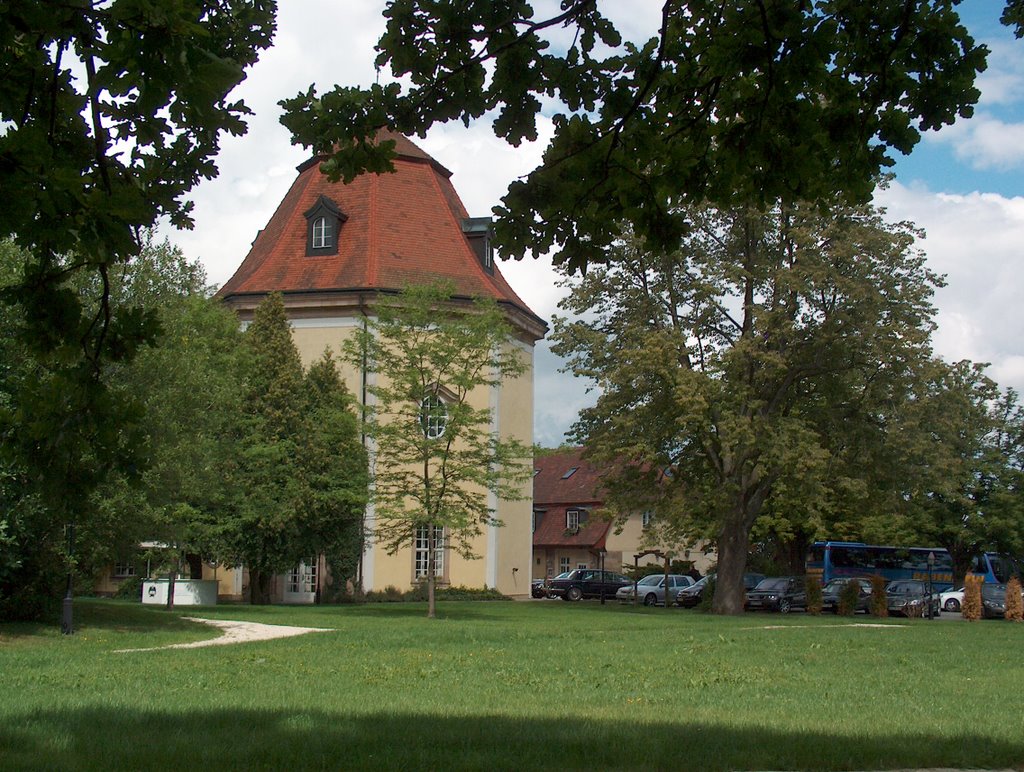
x=409, y=227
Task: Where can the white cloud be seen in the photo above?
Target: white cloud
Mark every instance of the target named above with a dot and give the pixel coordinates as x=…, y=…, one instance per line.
x=1003, y=82
x=985, y=142
x=977, y=242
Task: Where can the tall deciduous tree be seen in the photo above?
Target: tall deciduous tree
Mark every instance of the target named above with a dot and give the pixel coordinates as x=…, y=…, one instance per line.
x=111, y=112
x=435, y=452
x=966, y=456
x=738, y=103
x=189, y=387
x=748, y=373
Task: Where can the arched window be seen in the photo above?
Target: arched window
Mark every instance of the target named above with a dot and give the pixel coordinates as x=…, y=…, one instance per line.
x=322, y=236
x=433, y=416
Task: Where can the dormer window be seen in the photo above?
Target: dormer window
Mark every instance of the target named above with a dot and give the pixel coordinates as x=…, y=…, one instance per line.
x=478, y=234
x=323, y=224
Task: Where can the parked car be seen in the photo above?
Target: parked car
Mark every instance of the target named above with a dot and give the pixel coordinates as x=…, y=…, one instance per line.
x=651, y=589
x=539, y=587
x=910, y=597
x=831, y=592
x=951, y=600
x=691, y=596
x=778, y=593
x=993, y=601
x=587, y=583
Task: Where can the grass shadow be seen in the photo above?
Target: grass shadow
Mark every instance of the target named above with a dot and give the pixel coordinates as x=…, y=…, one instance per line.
x=248, y=739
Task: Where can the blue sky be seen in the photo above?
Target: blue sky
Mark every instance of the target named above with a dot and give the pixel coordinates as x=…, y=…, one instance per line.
x=964, y=185
x=987, y=152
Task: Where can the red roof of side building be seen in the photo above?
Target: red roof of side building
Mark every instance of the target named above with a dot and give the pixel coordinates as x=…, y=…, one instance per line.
x=555, y=491
x=399, y=229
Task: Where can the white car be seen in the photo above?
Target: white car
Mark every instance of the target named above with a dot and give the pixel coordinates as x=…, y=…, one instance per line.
x=651, y=589
x=951, y=600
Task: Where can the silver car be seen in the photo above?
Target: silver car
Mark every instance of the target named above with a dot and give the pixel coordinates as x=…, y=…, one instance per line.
x=651, y=589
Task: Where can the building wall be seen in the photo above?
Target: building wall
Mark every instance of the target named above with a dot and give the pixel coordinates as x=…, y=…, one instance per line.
x=501, y=549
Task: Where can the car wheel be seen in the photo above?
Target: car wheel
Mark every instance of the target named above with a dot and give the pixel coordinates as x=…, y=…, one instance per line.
x=650, y=599
x=952, y=604
x=573, y=593
x=785, y=606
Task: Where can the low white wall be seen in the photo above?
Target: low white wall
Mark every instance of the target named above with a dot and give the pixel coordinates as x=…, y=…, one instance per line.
x=187, y=592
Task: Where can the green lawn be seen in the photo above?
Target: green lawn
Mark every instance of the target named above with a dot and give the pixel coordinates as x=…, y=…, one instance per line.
x=511, y=686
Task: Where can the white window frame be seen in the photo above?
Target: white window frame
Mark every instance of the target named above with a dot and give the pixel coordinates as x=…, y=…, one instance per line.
x=124, y=569
x=563, y=564
x=302, y=577
x=646, y=518
x=433, y=416
x=421, y=552
x=321, y=233
x=574, y=519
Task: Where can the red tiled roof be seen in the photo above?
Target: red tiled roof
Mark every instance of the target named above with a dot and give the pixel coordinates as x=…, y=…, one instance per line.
x=554, y=494
x=402, y=228
x=550, y=486
x=551, y=531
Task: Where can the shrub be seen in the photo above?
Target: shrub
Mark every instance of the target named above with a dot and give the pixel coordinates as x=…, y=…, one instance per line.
x=971, y=608
x=1014, y=604
x=813, y=589
x=879, y=601
x=707, y=597
x=848, y=598
x=470, y=593
x=418, y=594
x=130, y=589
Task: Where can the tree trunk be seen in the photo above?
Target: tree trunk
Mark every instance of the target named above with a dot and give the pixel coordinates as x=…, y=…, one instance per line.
x=195, y=565
x=259, y=587
x=733, y=543
x=431, y=569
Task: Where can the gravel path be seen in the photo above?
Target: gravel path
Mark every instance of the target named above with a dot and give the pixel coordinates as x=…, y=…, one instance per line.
x=237, y=632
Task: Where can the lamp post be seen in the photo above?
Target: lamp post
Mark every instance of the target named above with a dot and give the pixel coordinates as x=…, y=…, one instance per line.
x=67, y=623
x=931, y=566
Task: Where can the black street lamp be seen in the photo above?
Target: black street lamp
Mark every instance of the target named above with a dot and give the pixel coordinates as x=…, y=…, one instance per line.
x=67, y=622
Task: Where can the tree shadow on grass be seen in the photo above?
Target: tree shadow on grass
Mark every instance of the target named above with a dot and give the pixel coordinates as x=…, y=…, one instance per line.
x=247, y=739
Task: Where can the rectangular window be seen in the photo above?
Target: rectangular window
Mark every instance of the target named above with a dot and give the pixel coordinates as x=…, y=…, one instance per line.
x=582, y=565
x=572, y=519
x=302, y=578
x=646, y=518
x=422, y=552
x=563, y=565
x=124, y=569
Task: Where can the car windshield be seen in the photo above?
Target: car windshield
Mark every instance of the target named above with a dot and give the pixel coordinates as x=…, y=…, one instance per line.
x=654, y=580
x=773, y=584
x=563, y=575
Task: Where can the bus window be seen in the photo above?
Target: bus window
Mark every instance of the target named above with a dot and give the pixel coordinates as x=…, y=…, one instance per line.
x=1002, y=568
